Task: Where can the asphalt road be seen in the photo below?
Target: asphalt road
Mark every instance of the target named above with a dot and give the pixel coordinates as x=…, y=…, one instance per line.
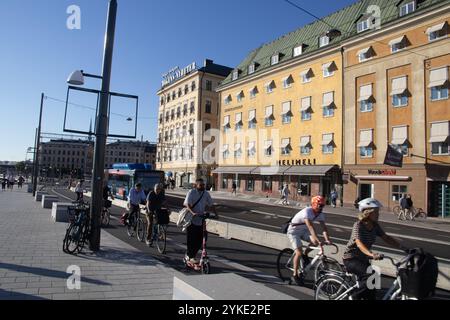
x=251, y=261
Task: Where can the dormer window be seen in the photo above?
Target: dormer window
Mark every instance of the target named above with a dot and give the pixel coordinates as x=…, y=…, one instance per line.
x=407, y=8
x=324, y=41
x=235, y=75
x=363, y=25
x=275, y=59
x=252, y=68
x=437, y=32
x=298, y=50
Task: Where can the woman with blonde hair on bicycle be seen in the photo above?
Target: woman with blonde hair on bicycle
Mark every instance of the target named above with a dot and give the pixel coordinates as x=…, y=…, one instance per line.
x=364, y=233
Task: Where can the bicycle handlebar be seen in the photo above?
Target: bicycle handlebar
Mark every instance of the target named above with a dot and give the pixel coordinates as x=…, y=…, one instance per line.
x=320, y=247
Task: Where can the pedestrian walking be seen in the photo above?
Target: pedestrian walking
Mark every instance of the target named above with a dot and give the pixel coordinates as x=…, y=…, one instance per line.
x=11, y=183
x=334, y=197
x=20, y=182
x=79, y=190
x=285, y=195
x=3, y=184
x=233, y=189
x=404, y=204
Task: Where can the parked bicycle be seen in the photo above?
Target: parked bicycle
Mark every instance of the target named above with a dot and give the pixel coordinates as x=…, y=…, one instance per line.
x=79, y=228
x=336, y=285
x=412, y=213
x=106, y=214
x=320, y=263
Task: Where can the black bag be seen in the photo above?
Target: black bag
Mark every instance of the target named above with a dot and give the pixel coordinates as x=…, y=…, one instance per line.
x=419, y=276
x=162, y=217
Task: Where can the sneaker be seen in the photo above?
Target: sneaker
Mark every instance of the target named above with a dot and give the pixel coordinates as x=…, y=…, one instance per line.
x=298, y=280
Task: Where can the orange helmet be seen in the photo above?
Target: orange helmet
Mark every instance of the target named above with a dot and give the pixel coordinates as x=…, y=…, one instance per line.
x=317, y=203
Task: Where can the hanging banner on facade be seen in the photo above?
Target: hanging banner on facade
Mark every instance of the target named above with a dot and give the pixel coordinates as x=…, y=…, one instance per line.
x=394, y=157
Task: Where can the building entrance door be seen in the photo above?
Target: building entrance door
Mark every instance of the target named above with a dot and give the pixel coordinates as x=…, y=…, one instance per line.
x=439, y=203
x=365, y=191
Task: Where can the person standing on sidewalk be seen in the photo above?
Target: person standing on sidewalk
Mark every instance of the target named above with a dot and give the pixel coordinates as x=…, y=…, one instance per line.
x=405, y=206
x=3, y=184
x=202, y=201
x=285, y=195
x=334, y=197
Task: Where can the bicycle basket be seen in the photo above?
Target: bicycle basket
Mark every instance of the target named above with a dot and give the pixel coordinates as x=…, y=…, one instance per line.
x=419, y=276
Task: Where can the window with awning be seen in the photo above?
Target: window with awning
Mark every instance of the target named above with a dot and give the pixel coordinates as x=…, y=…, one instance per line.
x=268, y=147
x=226, y=121
x=228, y=99
x=365, y=92
x=252, y=116
x=237, y=147
x=288, y=81
x=269, y=112
x=238, y=118
x=438, y=77
x=306, y=75
x=286, y=146
x=305, y=141
x=398, y=43
x=399, y=135
x=306, y=104
x=251, y=145
x=399, y=86
x=270, y=86
x=254, y=91
x=365, y=53
x=436, y=28
x=225, y=148
x=329, y=68
x=365, y=138
x=327, y=139
x=286, y=107
x=328, y=99
x=439, y=132
x=240, y=96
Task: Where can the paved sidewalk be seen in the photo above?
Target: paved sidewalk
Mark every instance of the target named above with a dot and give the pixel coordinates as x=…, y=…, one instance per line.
x=385, y=216
x=33, y=265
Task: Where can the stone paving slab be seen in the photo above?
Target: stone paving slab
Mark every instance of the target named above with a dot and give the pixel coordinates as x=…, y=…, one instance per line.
x=33, y=265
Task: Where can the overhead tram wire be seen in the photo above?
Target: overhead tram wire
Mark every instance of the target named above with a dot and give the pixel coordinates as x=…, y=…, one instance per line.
x=346, y=32
x=95, y=109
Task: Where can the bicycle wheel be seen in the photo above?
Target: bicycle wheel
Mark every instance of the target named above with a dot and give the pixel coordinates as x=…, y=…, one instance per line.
x=70, y=243
x=206, y=268
x=284, y=264
x=106, y=218
x=326, y=265
x=131, y=226
x=141, y=230
x=331, y=288
x=161, y=238
x=85, y=230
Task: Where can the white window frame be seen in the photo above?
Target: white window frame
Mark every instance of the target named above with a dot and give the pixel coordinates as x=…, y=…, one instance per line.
x=366, y=103
x=251, y=68
x=360, y=25
x=323, y=43
x=439, y=89
x=368, y=152
x=235, y=75
x=441, y=145
x=275, y=59
x=407, y=11
x=401, y=105
x=298, y=51
x=328, y=149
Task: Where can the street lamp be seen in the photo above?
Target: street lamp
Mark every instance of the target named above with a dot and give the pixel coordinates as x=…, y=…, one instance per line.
x=101, y=128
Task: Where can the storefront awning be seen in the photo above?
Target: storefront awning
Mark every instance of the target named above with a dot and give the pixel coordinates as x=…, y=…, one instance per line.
x=309, y=170
x=235, y=170
x=384, y=178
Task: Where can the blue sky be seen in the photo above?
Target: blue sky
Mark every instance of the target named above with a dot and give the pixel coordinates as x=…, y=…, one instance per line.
x=38, y=52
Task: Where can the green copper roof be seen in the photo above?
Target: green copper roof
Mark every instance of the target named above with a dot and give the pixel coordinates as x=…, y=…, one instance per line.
x=343, y=20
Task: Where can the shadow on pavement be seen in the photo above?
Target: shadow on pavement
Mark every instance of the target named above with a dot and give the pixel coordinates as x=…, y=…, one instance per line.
x=46, y=272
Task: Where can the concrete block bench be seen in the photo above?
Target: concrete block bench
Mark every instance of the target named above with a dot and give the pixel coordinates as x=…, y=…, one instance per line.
x=225, y=286
x=48, y=200
x=60, y=211
x=39, y=195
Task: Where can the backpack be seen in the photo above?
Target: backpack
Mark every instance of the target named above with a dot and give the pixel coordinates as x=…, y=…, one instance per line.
x=419, y=275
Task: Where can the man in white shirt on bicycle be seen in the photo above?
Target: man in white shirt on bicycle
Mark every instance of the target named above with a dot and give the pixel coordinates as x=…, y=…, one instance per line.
x=301, y=228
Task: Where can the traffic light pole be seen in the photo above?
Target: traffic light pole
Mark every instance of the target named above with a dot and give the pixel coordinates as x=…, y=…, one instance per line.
x=102, y=131
x=36, y=152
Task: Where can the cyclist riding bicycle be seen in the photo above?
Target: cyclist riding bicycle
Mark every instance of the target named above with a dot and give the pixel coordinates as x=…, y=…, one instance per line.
x=364, y=234
x=155, y=201
x=136, y=197
x=106, y=194
x=302, y=228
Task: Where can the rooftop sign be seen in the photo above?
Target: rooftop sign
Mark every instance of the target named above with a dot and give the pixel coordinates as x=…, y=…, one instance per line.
x=177, y=73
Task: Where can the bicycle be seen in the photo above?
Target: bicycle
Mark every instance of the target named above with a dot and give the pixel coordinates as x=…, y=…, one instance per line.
x=417, y=213
x=132, y=224
x=344, y=285
x=106, y=215
x=159, y=232
x=79, y=227
x=321, y=262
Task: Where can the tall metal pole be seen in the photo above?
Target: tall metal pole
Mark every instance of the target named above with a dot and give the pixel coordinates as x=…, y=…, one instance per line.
x=36, y=152
x=34, y=156
x=102, y=130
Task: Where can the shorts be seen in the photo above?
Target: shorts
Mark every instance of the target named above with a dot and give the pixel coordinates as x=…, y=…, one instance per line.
x=295, y=237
